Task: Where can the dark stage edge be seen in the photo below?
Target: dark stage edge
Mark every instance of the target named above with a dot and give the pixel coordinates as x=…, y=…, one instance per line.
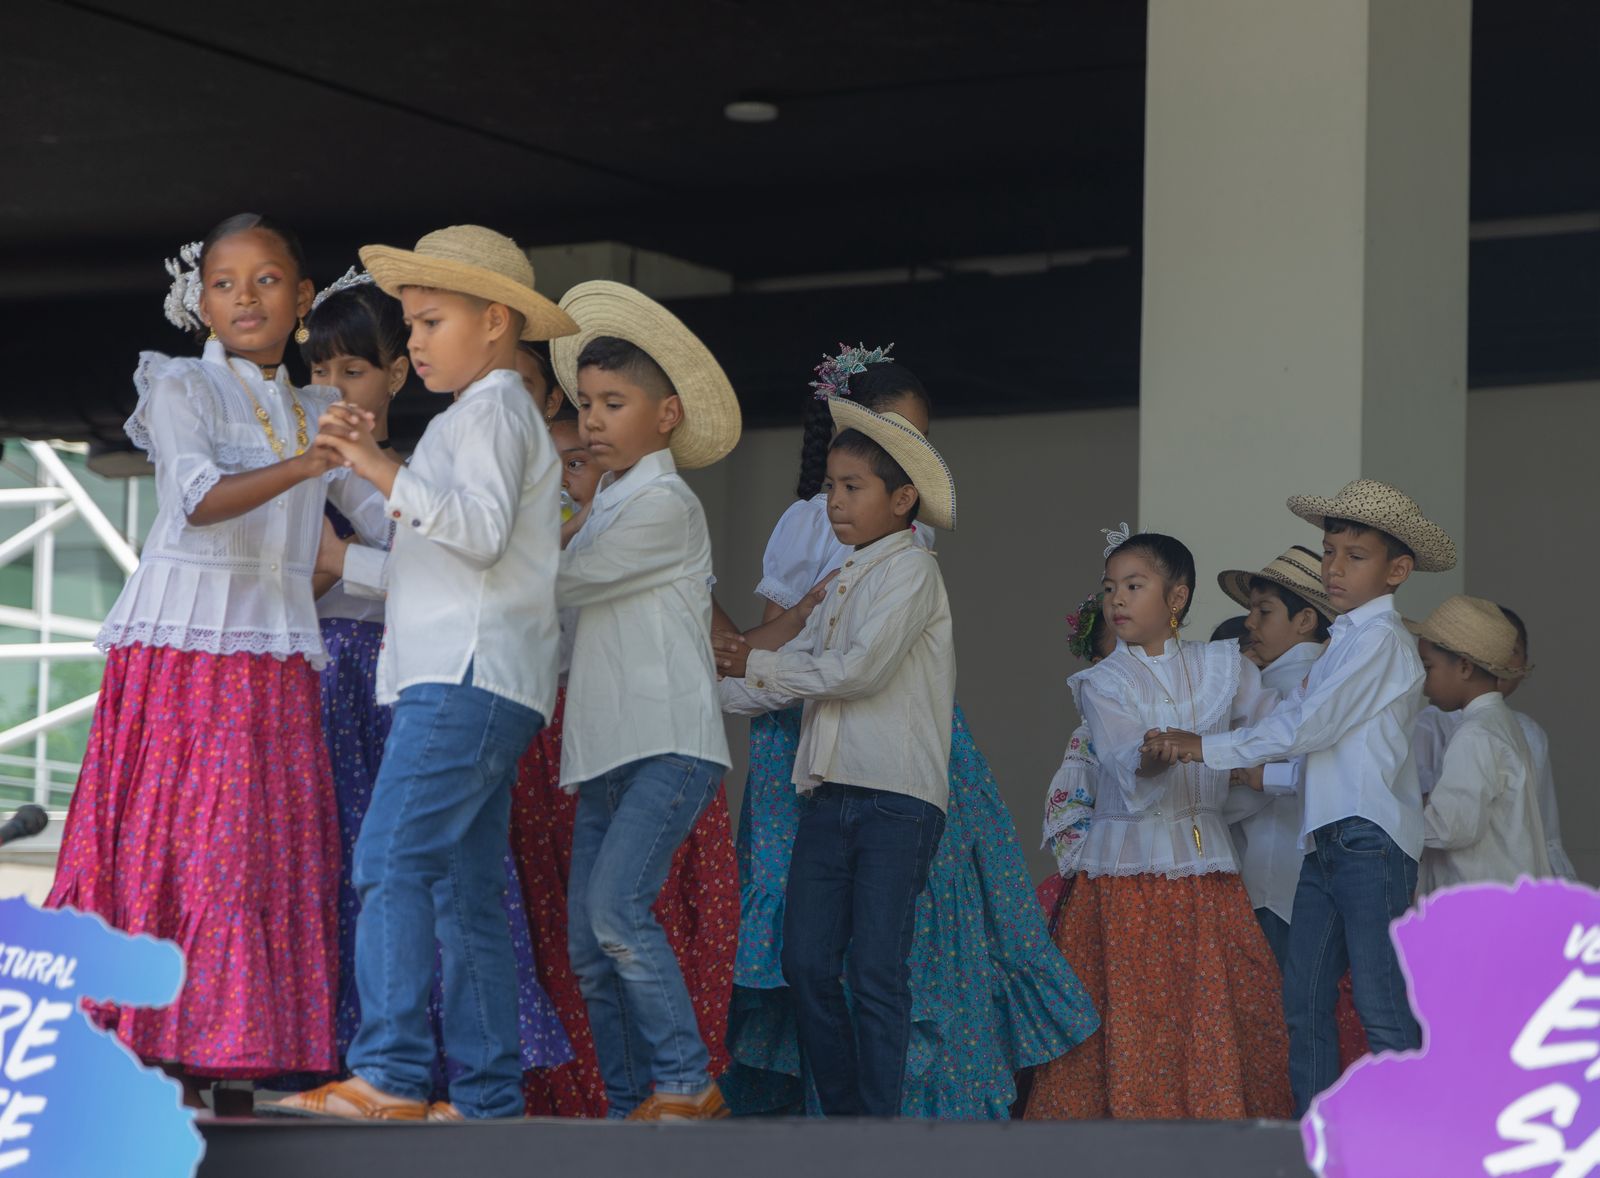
x=755, y=1149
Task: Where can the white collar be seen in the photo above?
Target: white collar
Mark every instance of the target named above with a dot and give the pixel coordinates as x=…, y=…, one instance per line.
x=215, y=353
x=884, y=546
x=1365, y=613
x=615, y=488
x=489, y=380
x=1300, y=652
x=1485, y=702
x=1168, y=649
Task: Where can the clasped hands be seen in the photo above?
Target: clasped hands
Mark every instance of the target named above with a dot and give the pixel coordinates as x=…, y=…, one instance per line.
x=1170, y=746
x=344, y=435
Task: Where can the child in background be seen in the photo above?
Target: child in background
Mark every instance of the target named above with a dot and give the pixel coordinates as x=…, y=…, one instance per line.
x=204, y=812
x=1481, y=821
x=698, y=907
x=1434, y=729
x=1159, y=925
x=991, y=996
x=1287, y=626
x=358, y=345
x=644, y=745
x=1362, y=831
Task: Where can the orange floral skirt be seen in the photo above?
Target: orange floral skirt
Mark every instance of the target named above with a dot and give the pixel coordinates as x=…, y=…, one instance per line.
x=1190, y=1002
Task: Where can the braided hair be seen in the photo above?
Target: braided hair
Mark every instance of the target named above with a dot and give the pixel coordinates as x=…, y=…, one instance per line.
x=877, y=387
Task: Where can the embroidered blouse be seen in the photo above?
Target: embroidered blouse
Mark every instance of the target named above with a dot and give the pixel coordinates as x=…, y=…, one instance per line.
x=242, y=585
x=1145, y=825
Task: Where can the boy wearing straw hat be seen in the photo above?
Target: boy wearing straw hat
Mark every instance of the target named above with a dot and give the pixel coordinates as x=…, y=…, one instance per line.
x=1286, y=627
x=875, y=669
x=469, y=663
x=1362, y=829
x=1481, y=821
x=644, y=746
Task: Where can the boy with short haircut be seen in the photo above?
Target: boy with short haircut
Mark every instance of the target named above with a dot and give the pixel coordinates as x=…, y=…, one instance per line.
x=469, y=662
x=1284, y=631
x=1481, y=821
x=1362, y=830
x=875, y=669
x=644, y=746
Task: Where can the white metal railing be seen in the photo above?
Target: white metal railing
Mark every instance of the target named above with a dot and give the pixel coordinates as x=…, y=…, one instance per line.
x=56, y=500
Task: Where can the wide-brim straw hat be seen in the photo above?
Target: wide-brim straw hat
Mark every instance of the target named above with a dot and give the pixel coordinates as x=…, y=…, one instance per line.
x=936, y=486
x=1475, y=629
x=1380, y=506
x=1298, y=570
x=711, y=421
x=470, y=259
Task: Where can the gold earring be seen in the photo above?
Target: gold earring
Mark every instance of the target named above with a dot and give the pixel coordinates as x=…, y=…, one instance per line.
x=301, y=333
x=1174, y=621
x=212, y=336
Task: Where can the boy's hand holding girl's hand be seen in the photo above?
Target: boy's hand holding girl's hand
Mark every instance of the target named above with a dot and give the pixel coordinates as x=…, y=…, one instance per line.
x=1169, y=747
x=732, y=652
x=344, y=435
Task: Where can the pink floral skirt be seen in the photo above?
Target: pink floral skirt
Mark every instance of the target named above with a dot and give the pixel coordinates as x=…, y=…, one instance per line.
x=205, y=815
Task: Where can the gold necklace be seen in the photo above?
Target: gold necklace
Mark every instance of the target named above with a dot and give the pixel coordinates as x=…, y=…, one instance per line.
x=302, y=436
x=1194, y=724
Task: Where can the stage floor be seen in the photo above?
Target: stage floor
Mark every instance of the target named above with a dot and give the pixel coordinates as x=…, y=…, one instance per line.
x=264, y=1148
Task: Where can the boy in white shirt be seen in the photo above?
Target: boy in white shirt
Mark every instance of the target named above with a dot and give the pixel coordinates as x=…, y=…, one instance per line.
x=1481, y=821
x=469, y=662
x=1285, y=631
x=644, y=746
x=1362, y=829
x=1435, y=728
x=875, y=669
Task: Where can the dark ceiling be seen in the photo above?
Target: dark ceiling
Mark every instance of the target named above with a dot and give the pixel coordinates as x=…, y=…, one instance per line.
x=909, y=134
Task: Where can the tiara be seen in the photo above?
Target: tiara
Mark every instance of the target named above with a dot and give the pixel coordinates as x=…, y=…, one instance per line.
x=834, y=373
x=1083, y=622
x=351, y=278
x=1115, y=539
x=182, y=304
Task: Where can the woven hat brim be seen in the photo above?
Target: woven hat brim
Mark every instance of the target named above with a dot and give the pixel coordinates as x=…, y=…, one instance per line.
x=1435, y=551
x=1236, y=584
x=393, y=268
x=936, y=486
x=711, y=419
x=1455, y=642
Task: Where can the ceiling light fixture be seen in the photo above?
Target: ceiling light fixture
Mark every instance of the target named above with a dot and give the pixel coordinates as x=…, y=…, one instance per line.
x=751, y=110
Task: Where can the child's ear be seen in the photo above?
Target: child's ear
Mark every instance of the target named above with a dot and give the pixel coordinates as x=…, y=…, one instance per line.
x=305, y=293
x=1178, y=598
x=498, y=317
x=1400, y=568
x=903, y=500
x=1305, y=622
x=398, y=371
x=671, y=414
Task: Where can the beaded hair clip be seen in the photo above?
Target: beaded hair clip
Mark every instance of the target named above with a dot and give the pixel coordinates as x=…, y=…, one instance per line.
x=350, y=278
x=1115, y=539
x=834, y=373
x=182, y=304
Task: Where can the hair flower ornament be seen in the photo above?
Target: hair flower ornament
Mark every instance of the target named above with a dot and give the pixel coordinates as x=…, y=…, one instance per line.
x=1115, y=538
x=834, y=373
x=350, y=278
x=1084, y=624
x=182, y=304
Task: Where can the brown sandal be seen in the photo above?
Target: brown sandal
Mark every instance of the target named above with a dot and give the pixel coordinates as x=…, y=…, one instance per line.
x=315, y=1104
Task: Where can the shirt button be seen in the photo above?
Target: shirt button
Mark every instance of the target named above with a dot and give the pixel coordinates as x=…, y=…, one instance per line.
x=848, y=563
x=274, y=568
x=761, y=683
x=396, y=514
x=416, y=523
x=280, y=504
x=841, y=590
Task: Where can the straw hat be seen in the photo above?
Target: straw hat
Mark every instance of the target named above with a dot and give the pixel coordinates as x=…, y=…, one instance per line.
x=936, y=486
x=471, y=260
x=1299, y=570
x=1476, y=630
x=711, y=423
x=1380, y=506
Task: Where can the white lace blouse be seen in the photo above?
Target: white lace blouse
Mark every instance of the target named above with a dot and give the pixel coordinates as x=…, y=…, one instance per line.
x=803, y=549
x=1145, y=825
x=242, y=585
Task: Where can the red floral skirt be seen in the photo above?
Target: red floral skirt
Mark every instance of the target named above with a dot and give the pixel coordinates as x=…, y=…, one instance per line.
x=1190, y=1002
x=698, y=909
x=204, y=815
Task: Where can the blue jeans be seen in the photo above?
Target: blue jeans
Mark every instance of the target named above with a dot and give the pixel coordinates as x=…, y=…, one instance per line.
x=860, y=861
x=630, y=822
x=1352, y=886
x=430, y=862
x=1276, y=929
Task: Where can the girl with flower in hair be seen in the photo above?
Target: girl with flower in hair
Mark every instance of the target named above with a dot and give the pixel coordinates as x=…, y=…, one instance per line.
x=990, y=994
x=204, y=813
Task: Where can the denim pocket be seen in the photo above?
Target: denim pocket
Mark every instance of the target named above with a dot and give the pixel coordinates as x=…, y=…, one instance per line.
x=901, y=807
x=1363, y=837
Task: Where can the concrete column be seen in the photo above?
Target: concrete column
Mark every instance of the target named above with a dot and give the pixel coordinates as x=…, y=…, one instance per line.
x=1305, y=270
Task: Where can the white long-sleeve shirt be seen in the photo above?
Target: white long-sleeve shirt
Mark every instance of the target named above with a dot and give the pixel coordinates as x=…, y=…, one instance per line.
x=1433, y=733
x=1352, y=723
x=875, y=667
x=471, y=574
x=642, y=682
x=1481, y=822
x=1267, y=825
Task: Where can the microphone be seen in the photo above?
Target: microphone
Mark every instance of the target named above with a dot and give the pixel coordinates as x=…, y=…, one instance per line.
x=28, y=821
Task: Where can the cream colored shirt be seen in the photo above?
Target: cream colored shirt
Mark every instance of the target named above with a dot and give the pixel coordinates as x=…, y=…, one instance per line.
x=875, y=668
x=642, y=682
x=1481, y=822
